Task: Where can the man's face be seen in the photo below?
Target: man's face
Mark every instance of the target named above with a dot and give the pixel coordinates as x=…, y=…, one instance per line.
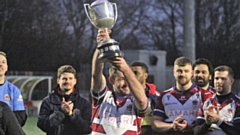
x=3, y=65
x=182, y=74
x=141, y=75
x=66, y=82
x=222, y=82
x=120, y=85
x=201, y=75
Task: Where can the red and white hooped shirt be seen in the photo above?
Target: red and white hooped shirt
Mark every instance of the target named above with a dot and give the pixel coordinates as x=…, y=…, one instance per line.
x=114, y=115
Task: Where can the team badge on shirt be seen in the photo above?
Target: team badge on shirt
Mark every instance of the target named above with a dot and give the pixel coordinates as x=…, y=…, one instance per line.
x=7, y=97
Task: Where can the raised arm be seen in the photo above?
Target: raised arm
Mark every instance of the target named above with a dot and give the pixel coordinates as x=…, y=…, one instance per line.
x=98, y=81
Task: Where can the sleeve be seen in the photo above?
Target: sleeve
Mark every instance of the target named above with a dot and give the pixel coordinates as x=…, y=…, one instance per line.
x=229, y=129
x=81, y=118
x=233, y=129
x=140, y=113
x=97, y=98
x=48, y=119
x=18, y=106
x=159, y=110
x=21, y=117
x=201, y=127
x=10, y=123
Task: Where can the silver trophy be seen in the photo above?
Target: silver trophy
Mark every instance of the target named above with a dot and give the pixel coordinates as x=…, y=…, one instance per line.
x=103, y=15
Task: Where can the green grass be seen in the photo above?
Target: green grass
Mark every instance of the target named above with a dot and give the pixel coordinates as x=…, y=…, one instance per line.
x=30, y=128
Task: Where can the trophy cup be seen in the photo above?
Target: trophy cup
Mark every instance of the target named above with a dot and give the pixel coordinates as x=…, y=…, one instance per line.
x=103, y=14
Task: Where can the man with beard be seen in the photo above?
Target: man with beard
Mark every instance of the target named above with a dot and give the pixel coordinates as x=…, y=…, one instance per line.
x=178, y=106
x=118, y=111
x=220, y=114
x=141, y=71
x=64, y=111
x=202, y=74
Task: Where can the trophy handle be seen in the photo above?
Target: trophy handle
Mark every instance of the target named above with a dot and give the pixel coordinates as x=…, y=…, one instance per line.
x=116, y=13
x=87, y=8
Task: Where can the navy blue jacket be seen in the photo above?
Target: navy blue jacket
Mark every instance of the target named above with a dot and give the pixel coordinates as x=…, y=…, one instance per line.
x=8, y=122
x=54, y=122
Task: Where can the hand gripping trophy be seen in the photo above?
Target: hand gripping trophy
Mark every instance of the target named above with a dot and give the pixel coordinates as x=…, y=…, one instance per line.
x=101, y=13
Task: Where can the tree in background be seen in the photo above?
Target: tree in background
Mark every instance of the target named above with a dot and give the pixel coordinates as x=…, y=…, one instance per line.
x=42, y=35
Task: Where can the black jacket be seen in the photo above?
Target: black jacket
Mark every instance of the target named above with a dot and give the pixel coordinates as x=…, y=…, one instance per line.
x=8, y=122
x=54, y=122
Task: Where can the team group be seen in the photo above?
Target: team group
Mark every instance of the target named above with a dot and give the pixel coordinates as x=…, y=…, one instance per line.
x=130, y=105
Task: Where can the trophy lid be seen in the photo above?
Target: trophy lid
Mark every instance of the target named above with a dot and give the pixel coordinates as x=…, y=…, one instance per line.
x=98, y=2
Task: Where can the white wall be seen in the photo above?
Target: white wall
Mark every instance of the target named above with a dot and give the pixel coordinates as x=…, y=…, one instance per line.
x=158, y=70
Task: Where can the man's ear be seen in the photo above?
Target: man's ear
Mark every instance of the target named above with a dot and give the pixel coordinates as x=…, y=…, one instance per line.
x=57, y=80
x=111, y=80
x=232, y=80
x=210, y=78
x=145, y=76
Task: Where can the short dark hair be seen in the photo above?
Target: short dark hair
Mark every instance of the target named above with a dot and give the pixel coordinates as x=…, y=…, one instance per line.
x=141, y=64
x=205, y=62
x=3, y=54
x=66, y=69
x=225, y=68
x=182, y=61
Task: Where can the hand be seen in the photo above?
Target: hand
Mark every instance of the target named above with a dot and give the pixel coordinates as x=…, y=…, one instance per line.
x=179, y=124
x=102, y=35
x=210, y=116
x=67, y=107
x=120, y=63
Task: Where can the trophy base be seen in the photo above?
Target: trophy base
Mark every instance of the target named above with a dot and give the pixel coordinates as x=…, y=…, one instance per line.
x=109, y=49
x=104, y=57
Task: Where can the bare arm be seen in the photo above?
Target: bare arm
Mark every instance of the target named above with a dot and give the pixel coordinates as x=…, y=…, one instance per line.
x=179, y=124
x=135, y=87
x=158, y=125
x=98, y=81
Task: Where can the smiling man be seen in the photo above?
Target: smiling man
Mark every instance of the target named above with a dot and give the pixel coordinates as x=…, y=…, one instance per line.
x=177, y=107
x=64, y=111
x=10, y=94
x=202, y=74
x=220, y=114
x=118, y=111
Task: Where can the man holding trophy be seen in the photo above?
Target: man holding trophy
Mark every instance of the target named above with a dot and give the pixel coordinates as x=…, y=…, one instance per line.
x=117, y=111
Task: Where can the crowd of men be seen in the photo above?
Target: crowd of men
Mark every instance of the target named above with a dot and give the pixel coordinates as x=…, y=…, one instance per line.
x=132, y=106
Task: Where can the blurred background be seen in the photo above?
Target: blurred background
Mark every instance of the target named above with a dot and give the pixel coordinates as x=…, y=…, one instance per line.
x=41, y=35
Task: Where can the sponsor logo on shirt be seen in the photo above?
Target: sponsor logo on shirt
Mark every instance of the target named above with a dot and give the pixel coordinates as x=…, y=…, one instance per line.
x=118, y=121
x=182, y=98
x=20, y=98
x=175, y=113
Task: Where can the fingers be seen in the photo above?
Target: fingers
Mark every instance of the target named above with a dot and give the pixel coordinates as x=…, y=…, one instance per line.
x=108, y=31
x=63, y=100
x=180, y=126
x=102, y=35
x=210, y=108
x=178, y=118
